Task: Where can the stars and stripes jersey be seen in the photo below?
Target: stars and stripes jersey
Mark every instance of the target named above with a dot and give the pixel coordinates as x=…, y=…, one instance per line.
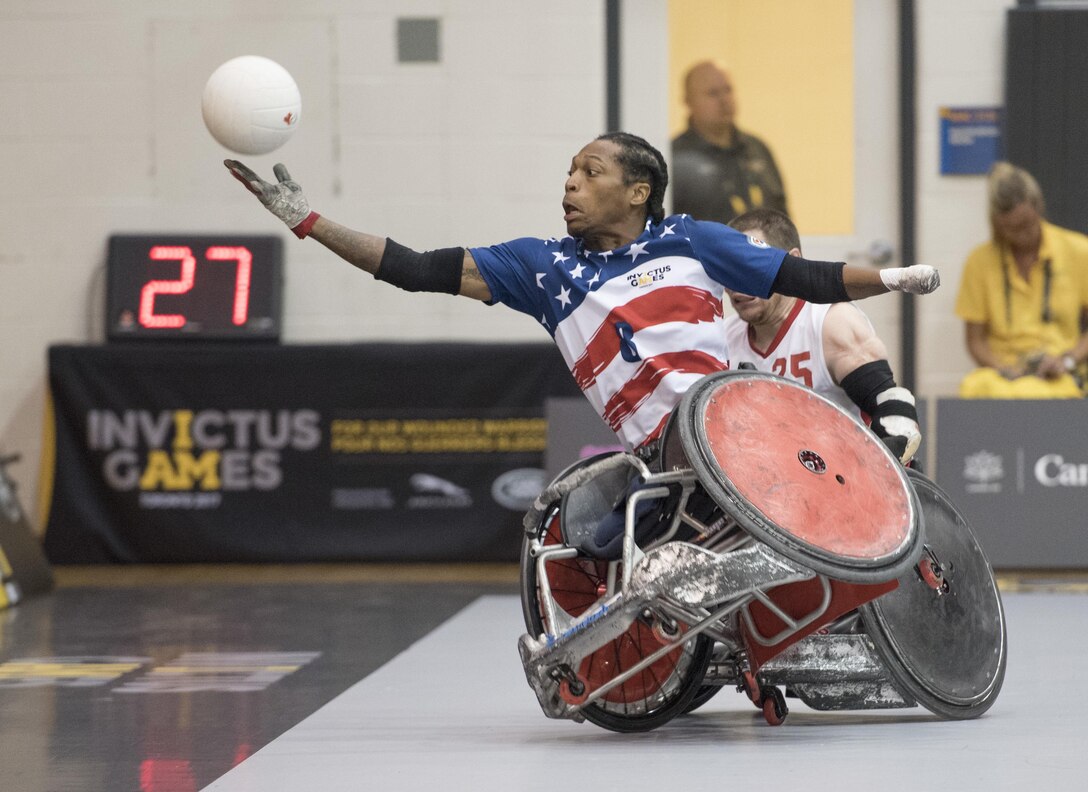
x=796, y=352
x=637, y=325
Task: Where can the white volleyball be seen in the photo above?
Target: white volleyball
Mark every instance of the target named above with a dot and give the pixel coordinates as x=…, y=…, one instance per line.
x=251, y=105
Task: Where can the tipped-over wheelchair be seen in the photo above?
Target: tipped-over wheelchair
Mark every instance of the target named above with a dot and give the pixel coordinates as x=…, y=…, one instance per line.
x=775, y=546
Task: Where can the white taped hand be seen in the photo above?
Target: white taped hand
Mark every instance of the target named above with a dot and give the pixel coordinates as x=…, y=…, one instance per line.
x=918, y=279
x=903, y=431
x=907, y=432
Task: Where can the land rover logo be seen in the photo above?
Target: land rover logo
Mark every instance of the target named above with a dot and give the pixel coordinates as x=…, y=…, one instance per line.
x=812, y=461
x=516, y=489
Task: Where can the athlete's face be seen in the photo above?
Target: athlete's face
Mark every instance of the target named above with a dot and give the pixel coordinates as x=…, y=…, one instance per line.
x=1021, y=227
x=753, y=310
x=596, y=201
x=756, y=310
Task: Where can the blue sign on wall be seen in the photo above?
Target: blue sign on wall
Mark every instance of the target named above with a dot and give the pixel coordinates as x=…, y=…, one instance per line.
x=970, y=139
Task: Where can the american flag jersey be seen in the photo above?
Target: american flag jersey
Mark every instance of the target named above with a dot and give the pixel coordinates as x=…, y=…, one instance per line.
x=796, y=352
x=638, y=325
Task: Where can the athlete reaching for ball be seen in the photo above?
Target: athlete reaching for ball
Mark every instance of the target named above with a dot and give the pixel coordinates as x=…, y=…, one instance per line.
x=632, y=298
x=832, y=349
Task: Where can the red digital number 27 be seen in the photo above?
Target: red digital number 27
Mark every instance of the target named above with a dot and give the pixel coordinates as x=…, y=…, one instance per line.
x=187, y=276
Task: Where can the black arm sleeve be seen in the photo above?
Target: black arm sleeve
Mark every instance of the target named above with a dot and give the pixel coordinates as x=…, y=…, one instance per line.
x=814, y=281
x=433, y=271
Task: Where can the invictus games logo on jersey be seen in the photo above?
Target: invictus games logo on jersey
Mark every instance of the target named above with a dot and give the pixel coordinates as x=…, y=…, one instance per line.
x=983, y=472
x=757, y=242
x=641, y=279
x=185, y=459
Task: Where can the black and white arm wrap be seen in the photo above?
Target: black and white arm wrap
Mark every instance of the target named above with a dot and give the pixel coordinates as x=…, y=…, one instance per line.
x=433, y=271
x=891, y=408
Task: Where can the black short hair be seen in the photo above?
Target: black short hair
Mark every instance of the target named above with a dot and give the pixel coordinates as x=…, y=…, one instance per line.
x=778, y=230
x=642, y=162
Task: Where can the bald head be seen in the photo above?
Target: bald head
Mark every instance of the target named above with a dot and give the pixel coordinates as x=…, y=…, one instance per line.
x=708, y=94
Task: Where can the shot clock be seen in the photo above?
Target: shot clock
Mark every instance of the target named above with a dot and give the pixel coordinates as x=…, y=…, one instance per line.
x=185, y=286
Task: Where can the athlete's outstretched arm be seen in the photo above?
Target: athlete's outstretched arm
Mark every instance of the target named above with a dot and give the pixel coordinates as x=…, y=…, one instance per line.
x=448, y=271
x=827, y=282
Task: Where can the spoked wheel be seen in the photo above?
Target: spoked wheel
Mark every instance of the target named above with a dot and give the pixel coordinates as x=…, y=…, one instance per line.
x=704, y=694
x=648, y=699
x=941, y=633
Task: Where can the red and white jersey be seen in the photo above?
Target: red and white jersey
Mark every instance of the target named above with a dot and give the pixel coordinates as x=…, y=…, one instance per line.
x=797, y=351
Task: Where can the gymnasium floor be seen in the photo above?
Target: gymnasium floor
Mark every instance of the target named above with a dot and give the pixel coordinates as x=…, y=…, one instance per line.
x=174, y=679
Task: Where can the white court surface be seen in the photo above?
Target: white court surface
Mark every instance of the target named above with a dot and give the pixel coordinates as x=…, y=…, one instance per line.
x=454, y=712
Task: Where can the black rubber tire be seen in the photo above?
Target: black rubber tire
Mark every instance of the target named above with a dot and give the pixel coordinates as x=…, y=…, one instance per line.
x=704, y=694
x=947, y=651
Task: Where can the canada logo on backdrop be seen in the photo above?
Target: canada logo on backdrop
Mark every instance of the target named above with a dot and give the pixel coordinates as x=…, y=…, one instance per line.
x=983, y=472
x=187, y=459
x=1052, y=470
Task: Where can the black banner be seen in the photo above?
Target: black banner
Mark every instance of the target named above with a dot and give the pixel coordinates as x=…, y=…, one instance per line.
x=248, y=453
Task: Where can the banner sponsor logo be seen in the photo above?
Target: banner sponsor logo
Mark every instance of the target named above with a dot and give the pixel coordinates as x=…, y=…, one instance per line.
x=516, y=489
x=351, y=498
x=433, y=492
x=437, y=436
x=186, y=459
x=983, y=472
x=1051, y=470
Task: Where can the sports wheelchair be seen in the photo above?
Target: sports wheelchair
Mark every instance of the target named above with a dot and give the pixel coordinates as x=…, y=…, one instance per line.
x=776, y=546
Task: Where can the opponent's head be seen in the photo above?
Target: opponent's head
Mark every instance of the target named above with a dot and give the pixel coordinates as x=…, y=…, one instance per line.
x=777, y=230
x=1016, y=206
x=709, y=96
x=617, y=180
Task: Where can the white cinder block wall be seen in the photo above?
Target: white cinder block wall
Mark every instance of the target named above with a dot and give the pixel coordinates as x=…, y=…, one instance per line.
x=960, y=62
x=102, y=134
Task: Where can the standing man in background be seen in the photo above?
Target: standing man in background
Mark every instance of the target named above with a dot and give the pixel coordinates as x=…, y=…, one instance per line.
x=1024, y=298
x=719, y=171
x=831, y=348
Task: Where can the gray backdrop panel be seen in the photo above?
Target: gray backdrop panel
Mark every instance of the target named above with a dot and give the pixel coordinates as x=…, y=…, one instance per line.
x=1018, y=471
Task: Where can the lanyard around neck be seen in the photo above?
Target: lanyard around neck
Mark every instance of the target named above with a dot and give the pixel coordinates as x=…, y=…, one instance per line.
x=1048, y=276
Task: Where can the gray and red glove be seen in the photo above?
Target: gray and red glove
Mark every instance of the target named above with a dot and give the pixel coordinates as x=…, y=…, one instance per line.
x=283, y=199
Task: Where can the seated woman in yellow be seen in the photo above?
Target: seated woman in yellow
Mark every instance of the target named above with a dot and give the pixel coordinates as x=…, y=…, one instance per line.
x=1024, y=298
